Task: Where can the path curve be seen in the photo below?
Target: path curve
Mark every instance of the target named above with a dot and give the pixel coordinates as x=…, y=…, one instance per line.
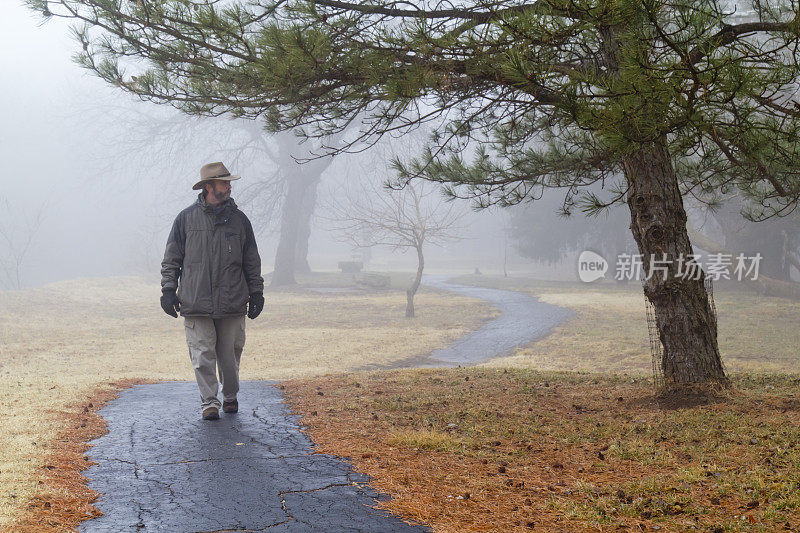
x=523, y=319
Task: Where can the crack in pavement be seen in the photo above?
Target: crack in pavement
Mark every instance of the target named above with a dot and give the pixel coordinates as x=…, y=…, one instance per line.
x=285, y=510
x=210, y=460
x=246, y=530
x=282, y=493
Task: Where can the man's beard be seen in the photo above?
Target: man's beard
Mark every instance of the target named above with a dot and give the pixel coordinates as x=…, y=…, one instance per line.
x=220, y=196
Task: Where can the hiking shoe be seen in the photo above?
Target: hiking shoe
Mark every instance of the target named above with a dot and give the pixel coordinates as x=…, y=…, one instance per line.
x=210, y=413
x=230, y=406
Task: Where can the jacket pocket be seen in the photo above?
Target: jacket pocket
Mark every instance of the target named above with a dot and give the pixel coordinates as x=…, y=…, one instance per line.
x=194, y=291
x=232, y=248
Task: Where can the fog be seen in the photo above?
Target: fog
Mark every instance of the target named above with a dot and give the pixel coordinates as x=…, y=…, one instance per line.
x=77, y=157
x=50, y=159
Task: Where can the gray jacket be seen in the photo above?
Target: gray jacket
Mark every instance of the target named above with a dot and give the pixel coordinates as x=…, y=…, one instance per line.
x=212, y=260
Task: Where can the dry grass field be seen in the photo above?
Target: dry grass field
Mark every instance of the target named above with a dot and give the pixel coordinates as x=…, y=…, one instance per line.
x=64, y=343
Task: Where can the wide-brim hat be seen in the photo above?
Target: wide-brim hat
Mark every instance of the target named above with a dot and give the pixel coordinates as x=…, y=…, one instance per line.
x=214, y=171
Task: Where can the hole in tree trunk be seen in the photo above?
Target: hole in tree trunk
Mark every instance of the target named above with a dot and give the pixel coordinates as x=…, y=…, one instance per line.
x=656, y=233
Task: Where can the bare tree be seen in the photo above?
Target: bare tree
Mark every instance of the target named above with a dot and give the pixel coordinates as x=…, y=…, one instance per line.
x=18, y=231
x=282, y=193
x=402, y=219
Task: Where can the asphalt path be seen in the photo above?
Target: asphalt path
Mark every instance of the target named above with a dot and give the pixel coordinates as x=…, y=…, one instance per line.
x=523, y=319
x=161, y=468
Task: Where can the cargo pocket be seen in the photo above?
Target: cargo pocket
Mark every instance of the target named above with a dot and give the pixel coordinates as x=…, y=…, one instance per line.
x=191, y=341
x=238, y=343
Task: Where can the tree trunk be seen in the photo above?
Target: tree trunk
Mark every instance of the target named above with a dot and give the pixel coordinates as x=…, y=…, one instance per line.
x=299, y=178
x=304, y=232
x=414, y=286
x=686, y=324
x=290, y=227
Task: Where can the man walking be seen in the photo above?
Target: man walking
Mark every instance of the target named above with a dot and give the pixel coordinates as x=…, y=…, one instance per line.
x=211, y=274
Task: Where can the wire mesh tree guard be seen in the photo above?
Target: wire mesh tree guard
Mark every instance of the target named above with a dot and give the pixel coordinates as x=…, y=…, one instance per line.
x=656, y=346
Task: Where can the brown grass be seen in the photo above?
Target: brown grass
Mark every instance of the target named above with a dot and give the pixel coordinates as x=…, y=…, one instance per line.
x=509, y=450
x=63, y=499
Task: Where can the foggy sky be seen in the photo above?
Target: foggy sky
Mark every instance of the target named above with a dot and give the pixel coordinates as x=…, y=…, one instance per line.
x=47, y=154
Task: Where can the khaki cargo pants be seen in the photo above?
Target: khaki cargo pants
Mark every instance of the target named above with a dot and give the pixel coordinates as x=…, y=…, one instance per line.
x=215, y=344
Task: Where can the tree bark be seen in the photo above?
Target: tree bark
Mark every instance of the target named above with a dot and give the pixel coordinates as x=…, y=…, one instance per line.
x=415, y=285
x=299, y=178
x=686, y=324
x=290, y=226
x=304, y=232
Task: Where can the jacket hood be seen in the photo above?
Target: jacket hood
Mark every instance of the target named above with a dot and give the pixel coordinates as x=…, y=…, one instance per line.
x=228, y=204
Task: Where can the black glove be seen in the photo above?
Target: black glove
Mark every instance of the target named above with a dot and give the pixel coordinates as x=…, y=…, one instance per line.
x=169, y=302
x=256, y=304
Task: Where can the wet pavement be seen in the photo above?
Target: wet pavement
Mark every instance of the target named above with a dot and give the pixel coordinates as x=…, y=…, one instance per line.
x=161, y=468
x=523, y=319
